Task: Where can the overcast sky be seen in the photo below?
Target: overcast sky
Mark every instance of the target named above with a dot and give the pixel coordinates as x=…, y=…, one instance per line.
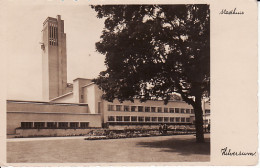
x=23, y=25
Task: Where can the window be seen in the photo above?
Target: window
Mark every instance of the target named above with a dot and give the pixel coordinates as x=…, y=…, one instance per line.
x=126, y=108
x=182, y=111
x=171, y=119
x=187, y=119
x=171, y=110
x=207, y=111
x=153, y=109
x=38, y=125
x=51, y=125
x=140, y=108
x=111, y=118
x=147, y=109
x=118, y=107
x=182, y=119
x=63, y=124
x=133, y=118
x=133, y=108
x=147, y=119
x=119, y=118
x=188, y=111
x=160, y=119
x=159, y=109
x=177, y=119
x=84, y=125
x=99, y=107
x=26, y=124
x=126, y=118
x=154, y=119
x=166, y=119
x=192, y=111
x=177, y=110
x=74, y=125
x=141, y=119
x=166, y=110
x=110, y=107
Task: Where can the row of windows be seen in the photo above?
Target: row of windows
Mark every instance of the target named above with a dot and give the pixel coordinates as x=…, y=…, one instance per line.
x=148, y=109
x=148, y=119
x=39, y=125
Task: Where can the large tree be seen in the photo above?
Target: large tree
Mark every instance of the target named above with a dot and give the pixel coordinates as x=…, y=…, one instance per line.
x=153, y=51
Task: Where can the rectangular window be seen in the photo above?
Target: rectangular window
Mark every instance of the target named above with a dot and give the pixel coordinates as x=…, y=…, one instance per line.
x=192, y=111
x=182, y=110
x=205, y=121
x=99, y=107
x=187, y=119
x=133, y=118
x=141, y=119
x=166, y=110
x=147, y=119
x=38, y=125
x=110, y=107
x=74, y=125
x=51, y=125
x=84, y=125
x=26, y=124
x=153, y=109
x=126, y=118
x=126, y=108
x=207, y=111
x=171, y=110
x=166, y=119
x=154, y=119
x=188, y=111
x=177, y=119
x=147, y=109
x=118, y=107
x=111, y=118
x=50, y=35
x=159, y=109
x=133, y=108
x=140, y=108
x=119, y=118
x=160, y=119
x=171, y=119
x=182, y=119
x=63, y=124
x=177, y=110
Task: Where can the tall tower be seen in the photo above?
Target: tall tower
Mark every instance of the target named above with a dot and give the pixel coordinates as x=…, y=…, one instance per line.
x=54, y=58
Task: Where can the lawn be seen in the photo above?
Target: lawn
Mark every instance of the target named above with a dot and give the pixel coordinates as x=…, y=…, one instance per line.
x=178, y=148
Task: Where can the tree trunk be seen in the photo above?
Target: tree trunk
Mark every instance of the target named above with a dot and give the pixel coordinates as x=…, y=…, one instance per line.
x=199, y=121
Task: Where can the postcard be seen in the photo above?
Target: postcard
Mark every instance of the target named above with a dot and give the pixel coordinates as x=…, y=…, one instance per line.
x=129, y=83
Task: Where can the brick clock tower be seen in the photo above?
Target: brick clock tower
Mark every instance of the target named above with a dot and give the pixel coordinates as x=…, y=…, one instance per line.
x=54, y=58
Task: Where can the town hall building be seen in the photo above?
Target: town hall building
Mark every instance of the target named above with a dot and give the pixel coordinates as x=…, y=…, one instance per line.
x=77, y=108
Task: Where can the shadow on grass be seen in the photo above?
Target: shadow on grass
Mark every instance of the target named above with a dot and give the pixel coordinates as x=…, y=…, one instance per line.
x=183, y=146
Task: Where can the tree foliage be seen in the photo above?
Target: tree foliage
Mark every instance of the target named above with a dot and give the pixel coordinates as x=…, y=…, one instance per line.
x=153, y=51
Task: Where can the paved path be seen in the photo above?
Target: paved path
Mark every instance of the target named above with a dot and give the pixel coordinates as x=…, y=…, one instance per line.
x=179, y=148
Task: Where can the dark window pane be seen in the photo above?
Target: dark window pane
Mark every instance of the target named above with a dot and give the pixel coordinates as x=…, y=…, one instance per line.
x=38, y=125
x=126, y=118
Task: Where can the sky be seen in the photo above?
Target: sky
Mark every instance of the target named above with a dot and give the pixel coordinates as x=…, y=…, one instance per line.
x=22, y=36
